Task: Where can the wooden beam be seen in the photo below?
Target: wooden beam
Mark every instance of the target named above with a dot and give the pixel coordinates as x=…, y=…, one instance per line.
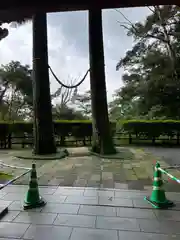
x=13, y=10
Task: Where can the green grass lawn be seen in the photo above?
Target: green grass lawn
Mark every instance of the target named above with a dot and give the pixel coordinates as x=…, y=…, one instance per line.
x=5, y=177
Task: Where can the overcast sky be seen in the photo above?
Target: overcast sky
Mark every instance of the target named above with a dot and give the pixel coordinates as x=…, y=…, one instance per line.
x=68, y=45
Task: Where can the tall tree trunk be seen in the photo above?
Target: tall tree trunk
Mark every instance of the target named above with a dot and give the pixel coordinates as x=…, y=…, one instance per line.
x=102, y=140
x=43, y=126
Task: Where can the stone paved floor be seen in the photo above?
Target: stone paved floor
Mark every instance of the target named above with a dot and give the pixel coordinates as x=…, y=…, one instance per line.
x=169, y=154
x=133, y=172
x=88, y=213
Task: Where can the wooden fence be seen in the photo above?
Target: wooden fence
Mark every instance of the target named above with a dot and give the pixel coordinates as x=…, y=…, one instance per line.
x=119, y=139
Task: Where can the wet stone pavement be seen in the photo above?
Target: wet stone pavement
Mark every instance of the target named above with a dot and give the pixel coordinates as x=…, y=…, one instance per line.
x=133, y=172
x=88, y=213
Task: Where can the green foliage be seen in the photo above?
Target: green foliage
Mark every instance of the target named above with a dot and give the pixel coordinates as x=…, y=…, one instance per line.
x=73, y=128
x=84, y=103
x=16, y=95
x=151, y=80
x=21, y=127
x=153, y=128
x=18, y=76
x=3, y=32
x=18, y=20
x=4, y=130
x=65, y=128
x=15, y=91
x=64, y=112
x=122, y=109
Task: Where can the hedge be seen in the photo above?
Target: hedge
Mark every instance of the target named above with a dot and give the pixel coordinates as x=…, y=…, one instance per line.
x=78, y=129
x=135, y=129
x=83, y=128
x=152, y=129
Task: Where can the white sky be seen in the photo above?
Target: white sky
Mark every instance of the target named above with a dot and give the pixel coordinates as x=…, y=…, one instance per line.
x=68, y=45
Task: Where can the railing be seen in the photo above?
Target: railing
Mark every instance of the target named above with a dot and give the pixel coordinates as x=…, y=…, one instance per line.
x=15, y=178
x=168, y=174
x=71, y=141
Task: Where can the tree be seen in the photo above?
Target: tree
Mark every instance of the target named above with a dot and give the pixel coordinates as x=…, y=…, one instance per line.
x=64, y=95
x=64, y=112
x=160, y=26
x=43, y=127
x=122, y=109
x=15, y=91
x=83, y=103
x=151, y=67
x=16, y=20
x=102, y=139
x=3, y=33
x=16, y=97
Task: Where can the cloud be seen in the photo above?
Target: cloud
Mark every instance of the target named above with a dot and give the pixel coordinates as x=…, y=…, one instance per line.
x=68, y=45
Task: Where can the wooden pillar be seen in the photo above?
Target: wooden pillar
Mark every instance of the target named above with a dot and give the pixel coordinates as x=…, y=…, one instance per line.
x=43, y=126
x=102, y=140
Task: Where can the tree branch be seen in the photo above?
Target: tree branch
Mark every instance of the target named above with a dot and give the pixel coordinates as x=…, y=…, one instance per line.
x=152, y=10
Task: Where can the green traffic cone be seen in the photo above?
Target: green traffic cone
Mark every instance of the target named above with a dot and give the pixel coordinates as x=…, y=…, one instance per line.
x=33, y=199
x=158, y=197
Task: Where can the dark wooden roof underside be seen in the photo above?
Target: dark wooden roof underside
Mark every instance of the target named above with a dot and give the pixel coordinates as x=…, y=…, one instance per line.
x=12, y=10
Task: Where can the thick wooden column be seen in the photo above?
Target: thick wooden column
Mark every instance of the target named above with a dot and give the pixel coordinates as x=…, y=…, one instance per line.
x=102, y=140
x=43, y=127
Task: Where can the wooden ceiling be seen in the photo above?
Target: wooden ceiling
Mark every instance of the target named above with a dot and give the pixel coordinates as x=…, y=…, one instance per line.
x=15, y=10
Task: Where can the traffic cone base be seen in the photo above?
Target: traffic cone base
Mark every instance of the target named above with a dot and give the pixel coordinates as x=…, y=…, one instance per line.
x=160, y=205
x=30, y=205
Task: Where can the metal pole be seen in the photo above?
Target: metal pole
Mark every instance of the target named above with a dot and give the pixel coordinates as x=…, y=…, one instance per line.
x=169, y=175
x=11, y=166
x=14, y=179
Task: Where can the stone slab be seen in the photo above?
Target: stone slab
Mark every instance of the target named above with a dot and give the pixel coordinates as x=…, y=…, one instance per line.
x=12, y=230
x=93, y=234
